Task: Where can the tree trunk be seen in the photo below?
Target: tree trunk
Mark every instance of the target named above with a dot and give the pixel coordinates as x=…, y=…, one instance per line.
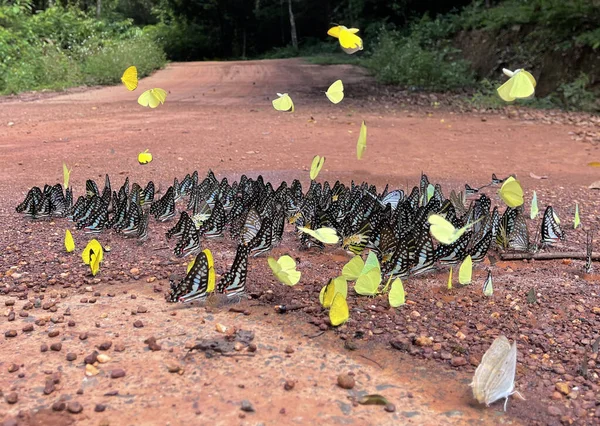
x=98, y=8
x=294, y=34
x=244, y=44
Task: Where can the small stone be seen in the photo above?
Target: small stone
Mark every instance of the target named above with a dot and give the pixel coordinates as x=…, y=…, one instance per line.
x=152, y=345
x=12, y=398
x=134, y=271
x=105, y=346
x=554, y=410
x=90, y=370
x=238, y=346
x=142, y=309
x=390, y=408
x=557, y=396
x=9, y=302
x=119, y=347
x=117, y=373
x=49, y=387
x=423, y=341
x=43, y=347
x=138, y=324
x=99, y=408
x=247, y=406
x=563, y=388
x=56, y=346
x=11, y=316
x=220, y=328
x=13, y=367
x=103, y=358
x=458, y=361
x=71, y=323
x=71, y=356
x=53, y=333
x=27, y=328
x=11, y=333
x=83, y=336
x=173, y=368
x=74, y=407
x=59, y=406
x=289, y=350
x=289, y=385
x=252, y=347
x=345, y=381
x=91, y=358
x=415, y=314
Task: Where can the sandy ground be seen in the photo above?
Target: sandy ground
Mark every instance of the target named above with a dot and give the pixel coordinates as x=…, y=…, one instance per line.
x=218, y=116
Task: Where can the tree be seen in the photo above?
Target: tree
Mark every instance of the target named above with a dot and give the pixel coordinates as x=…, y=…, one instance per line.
x=294, y=34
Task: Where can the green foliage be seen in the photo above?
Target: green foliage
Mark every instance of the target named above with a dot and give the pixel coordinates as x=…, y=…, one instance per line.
x=401, y=60
x=59, y=48
x=576, y=96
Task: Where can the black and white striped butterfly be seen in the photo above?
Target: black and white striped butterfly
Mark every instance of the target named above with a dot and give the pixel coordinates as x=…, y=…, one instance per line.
x=196, y=283
x=550, y=231
x=589, y=251
x=233, y=283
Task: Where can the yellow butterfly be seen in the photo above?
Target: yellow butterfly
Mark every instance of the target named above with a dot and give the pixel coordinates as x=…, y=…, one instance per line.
x=521, y=84
x=450, y=279
x=284, y=269
x=95, y=247
x=144, y=157
x=152, y=98
x=465, y=272
x=130, y=78
x=366, y=274
x=95, y=261
x=333, y=287
x=325, y=235
x=511, y=192
x=283, y=103
x=335, y=93
x=534, y=210
x=69, y=243
x=444, y=231
x=361, y=145
x=396, y=296
x=350, y=42
x=339, y=312
x=211, y=270
x=66, y=175
x=316, y=166
x=576, y=220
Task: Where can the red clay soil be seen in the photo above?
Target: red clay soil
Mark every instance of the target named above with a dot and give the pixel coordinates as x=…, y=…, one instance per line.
x=218, y=116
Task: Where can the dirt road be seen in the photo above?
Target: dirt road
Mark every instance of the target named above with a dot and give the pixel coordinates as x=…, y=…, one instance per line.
x=219, y=116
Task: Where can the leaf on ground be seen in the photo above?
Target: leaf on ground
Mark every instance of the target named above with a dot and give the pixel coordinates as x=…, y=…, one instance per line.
x=594, y=164
x=373, y=400
x=534, y=176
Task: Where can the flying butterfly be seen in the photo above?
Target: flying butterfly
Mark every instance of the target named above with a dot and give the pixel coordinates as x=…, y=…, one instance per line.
x=511, y=192
x=130, y=78
x=495, y=376
x=325, y=235
x=283, y=103
x=335, y=93
x=144, y=157
x=361, y=144
x=520, y=85
x=444, y=231
x=152, y=98
x=350, y=42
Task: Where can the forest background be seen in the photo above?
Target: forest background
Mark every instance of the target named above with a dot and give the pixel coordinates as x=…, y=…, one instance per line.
x=459, y=46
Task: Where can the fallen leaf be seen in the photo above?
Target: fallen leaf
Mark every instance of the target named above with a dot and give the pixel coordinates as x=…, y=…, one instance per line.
x=534, y=176
x=594, y=164
x=221, y=328
x=373, y=400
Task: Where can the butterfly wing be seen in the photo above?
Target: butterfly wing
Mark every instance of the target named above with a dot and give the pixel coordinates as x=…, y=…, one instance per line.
x=502, y=382
x=66, y=175
x=361, y=144
x=69, y=243
x=367, y=284
x=152, y=98
x=335, y=93
x=283, y=103
x=534, y=210
x=144, y=157
x=488, y=289
x=465, y=272
x=489, y=368
x=335, y=31
x=396, y=296
x=351, y=270
x=511, y=192
x=130, y=78
x=349, y=40
x=316, y=166
x=505, y=90
x=339, y=312
x=523, y=86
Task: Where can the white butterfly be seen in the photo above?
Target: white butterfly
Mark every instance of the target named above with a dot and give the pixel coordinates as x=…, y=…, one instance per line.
x=495, y=376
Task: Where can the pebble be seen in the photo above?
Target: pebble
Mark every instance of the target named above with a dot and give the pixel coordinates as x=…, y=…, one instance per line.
x=27, y=328
x=43, y=347
x=103, y=358
x=423, y=341
x=11, y=333
x=289, y=350
x=119, y=347
x=49, y=387
x=458, y=361
x=53, y=333
x=252, y=347
x=562, y=387
x=71, y=323
x=74, y=407
x=71, y=356
x=390, y=408
x=12, y=398
x=138, y=324
x=90, y=370
x=99, y=408
x=345, y=381
x=142, y=309
x=247, y=406
x=59, y=406
x=554, y=410
x=9, y=302
x=117, y=373
x=56, y=346
x=105, y=346
x=11, y=316
x=91, y=358
x=289, y=385
x=13, y=367
x=83, y=336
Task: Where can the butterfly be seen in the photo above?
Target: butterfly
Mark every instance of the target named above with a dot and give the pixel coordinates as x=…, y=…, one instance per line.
x=333, y=287
x=520, y=85
x=425, y=254
x=152, y=98
x=94, y=246
x=361, y=144
x=367, y=274
x=325, y=235
x=144, y=157
x=356, y=242
x=199, y=281
x=470, y=191
x=444, y=231
x=511, y=192
x=495, y=376
x=95, y=261
x=347, y=37
x=339, y=312
x=589, y=252
x=69, y=243
x=66, y=175
x=576, y=220
x=283, y=103
x=316, y=166
x=449, y=285
x=396, y=296
x=130, y=78
x=233, y=283
x=335, y=93
x=465, y=271
x=551, y=231
x=496, y=180
x=534, y=207
x=488, y=289
x=284, y=269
